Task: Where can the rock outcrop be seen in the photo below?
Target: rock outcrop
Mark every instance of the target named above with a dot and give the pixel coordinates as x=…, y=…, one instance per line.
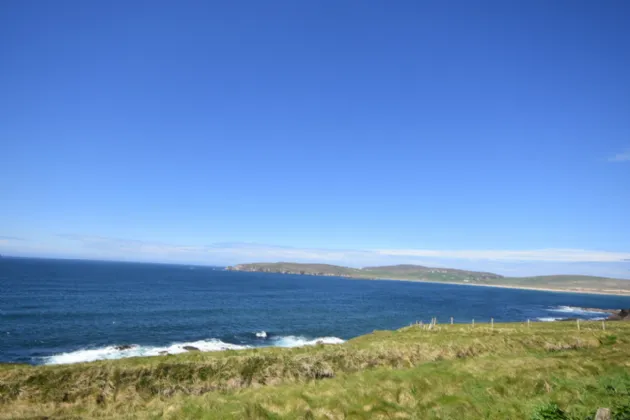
x=622, y=315
x=124, y=347
x=190, y=348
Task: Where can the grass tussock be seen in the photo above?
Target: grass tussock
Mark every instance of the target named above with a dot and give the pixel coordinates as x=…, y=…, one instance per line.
x=501, y=372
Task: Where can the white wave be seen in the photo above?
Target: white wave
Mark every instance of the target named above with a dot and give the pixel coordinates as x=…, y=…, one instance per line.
x=575, y=310
x=114, y=352
x=548, y=319
x=297, y=341
x=261, y=334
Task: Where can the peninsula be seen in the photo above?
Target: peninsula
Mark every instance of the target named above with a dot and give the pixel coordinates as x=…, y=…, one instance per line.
x=408, y=272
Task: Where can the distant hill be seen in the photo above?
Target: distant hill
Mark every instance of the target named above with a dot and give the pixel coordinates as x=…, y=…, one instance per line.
x=397, y=272
x=298, y=268
x=418, y=272
x=409, y=272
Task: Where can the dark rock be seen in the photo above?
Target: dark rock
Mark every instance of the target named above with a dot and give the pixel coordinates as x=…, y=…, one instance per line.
x=622, y=315
x=124, y=347
x=163, y=353
x=191, y=348
x=607, y=311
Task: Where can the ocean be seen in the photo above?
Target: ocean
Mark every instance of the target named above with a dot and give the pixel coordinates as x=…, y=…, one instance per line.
x=68, y=311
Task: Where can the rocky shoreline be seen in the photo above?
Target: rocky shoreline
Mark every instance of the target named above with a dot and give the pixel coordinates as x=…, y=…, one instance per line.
x=615, y=314
x=621, y=315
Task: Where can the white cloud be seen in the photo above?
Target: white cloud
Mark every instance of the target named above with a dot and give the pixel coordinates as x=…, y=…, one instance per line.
x=507, y=262
x=260, y=252
x=621, y=157
x=556, y=255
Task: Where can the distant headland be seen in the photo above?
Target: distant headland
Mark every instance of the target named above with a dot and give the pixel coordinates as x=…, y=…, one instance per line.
x=408, y=272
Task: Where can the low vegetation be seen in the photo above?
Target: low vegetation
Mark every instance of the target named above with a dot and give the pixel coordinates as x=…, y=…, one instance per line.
x=503, y=371
x=575, y=283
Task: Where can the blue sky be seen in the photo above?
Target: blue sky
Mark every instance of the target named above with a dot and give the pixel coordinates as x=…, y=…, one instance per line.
x=488, y=134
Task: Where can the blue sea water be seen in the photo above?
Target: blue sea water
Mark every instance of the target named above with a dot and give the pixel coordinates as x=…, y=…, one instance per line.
x=65, y=311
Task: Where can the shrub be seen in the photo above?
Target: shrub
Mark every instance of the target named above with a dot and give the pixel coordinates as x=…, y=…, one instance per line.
x=621, y=411
x=549, y=411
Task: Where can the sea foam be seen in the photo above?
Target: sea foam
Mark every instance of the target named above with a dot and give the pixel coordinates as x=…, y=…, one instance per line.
x=115, y=352
x=549, y=319
x=575, y=310
x=297, y=341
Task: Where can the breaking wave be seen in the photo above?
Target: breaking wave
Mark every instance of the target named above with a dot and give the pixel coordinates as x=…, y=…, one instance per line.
x=120, y=352
x=576, y=311
x=135, y=350
x=549, y=319
x=296, y=341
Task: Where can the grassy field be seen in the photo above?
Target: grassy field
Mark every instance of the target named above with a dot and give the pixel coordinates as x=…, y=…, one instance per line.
x=574, y=283
x=511, y=371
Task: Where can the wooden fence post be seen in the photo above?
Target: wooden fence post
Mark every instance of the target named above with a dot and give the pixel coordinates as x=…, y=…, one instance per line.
x=473, y=323
x=492, y=323
x=604, y=325
x=527, y=322
x=578, y=324
x=451, y=320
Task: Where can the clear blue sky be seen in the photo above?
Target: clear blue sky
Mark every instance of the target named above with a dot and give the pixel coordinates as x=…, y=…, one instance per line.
x=218, y=132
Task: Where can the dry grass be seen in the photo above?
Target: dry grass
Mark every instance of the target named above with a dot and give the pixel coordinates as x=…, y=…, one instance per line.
x=387, y=374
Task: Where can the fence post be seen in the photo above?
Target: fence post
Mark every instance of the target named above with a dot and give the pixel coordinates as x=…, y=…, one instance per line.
x=451, y=320
x=604, y=325
x=578, y=324
x=473, y=323
x=492, y=323
x=527, y=322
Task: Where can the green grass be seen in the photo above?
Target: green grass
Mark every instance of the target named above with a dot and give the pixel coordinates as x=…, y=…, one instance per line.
x=446, y=372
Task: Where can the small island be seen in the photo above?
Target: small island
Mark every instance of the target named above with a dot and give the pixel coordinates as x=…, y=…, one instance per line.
x=409, y=272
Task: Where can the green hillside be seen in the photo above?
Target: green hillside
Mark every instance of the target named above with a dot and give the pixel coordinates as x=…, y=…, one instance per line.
x=412, y=272
x=505, y=371
x=576, y=283
x=418, y=272
x=298, y=268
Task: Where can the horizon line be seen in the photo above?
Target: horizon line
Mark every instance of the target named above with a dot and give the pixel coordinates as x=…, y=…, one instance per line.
x=2, y=256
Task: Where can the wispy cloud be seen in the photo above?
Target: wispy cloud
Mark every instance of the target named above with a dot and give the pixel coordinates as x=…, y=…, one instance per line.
x=244, y=252
x=507, y=262
x=6, y=241
x=555, y=255
x=621, y=157
x=237, y=252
